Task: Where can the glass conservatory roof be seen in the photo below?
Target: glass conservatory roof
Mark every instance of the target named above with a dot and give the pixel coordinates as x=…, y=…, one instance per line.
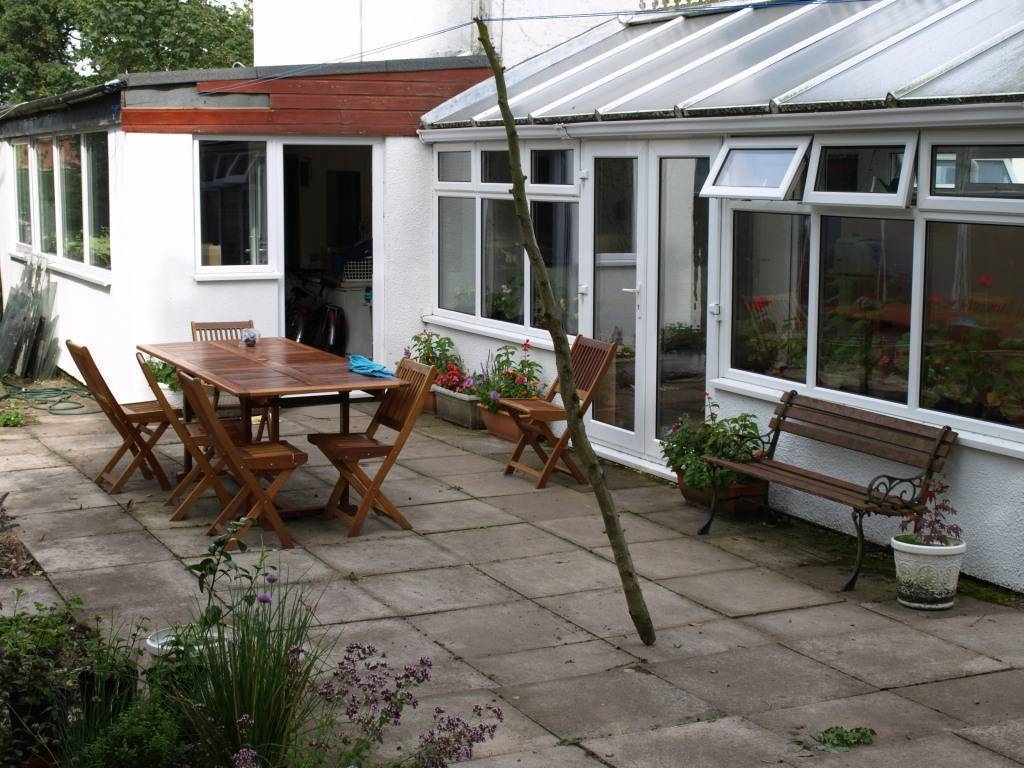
x=767, y=57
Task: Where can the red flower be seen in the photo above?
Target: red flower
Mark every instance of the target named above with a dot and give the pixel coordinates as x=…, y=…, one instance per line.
x=758, y=303
x=985, y=281
x=936, y=299
x=526, y=345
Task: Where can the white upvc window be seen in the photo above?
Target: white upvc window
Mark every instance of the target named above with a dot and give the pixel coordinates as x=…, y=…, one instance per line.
x=757, y=168
x=863, y=170
x=483, y=273
x=971, y=171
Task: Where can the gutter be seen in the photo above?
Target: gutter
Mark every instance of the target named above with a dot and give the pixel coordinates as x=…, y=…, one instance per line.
x=60, y=101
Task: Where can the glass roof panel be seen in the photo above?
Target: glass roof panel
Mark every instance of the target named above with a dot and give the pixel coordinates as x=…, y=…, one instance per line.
x=742, y=24
x=820, y=56
x=914, y=56
x=814, y=19
x=997, y=70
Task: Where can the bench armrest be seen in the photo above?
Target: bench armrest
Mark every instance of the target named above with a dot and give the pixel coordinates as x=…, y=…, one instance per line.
x=886, y=489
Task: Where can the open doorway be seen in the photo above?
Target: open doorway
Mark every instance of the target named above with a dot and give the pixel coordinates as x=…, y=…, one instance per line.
x=328, y=249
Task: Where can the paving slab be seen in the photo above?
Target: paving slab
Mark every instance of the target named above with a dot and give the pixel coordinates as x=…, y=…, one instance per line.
x=589, y=531
x=59, y=555
x=684, y=642
x=437, y=589
x=552, y=663
x=14, y=460
x=604, y=612
x=56, y=494
x=368, y=555
x=941, y=751
x=339, y=601
x=93, y=521
x=679, y=556
x=893, y=718
x=976, y=700
x=503, y=542
x=424, y=490
x=524, y=625
x=774, y=552
x=730, y=742
x=484, y=485
x=556, y=574
x=888, y=658
x=36, y=589
x=819, y=620
x=688, y=520
x=620, y=701
x=750, y=680
x=457, y=464
x=741, y=593
x=549, y=503
x=654, y=497
x=456, y=516
x=564, y=757
x=1004, y=738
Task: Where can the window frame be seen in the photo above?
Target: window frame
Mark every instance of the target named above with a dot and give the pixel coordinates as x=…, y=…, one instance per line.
x=479, y=191
x=780, y=192
x=899, y=199
x=926, y=201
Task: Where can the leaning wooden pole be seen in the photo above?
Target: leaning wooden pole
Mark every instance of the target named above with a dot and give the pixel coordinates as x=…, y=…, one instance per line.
x=551, y=319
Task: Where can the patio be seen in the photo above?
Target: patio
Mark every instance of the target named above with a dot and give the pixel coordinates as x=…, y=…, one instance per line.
x=512, y=593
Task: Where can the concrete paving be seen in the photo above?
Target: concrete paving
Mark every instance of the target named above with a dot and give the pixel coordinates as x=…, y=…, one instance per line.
x=513, y=594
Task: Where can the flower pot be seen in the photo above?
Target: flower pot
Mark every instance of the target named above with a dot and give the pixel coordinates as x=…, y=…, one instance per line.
x=430, y=403
x=927, y=574
x=458, y=408
x=174, y=397
x=164, y=641
x=742, y=495
x=500, y=424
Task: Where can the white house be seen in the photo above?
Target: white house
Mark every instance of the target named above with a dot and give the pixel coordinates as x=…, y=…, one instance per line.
x=820, y=196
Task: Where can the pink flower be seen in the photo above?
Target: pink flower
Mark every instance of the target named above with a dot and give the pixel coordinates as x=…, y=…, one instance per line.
x=526, y=345
x=520, y=379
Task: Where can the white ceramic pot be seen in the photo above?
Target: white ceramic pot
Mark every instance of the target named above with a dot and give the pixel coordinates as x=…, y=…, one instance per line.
x=927, y=574
x=163, y=641
x=174, y=397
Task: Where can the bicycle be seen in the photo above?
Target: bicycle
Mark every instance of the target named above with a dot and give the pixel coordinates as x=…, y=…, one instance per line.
x=313, y=320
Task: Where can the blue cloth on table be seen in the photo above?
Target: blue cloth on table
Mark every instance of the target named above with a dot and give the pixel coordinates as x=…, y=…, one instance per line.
x=367, y=367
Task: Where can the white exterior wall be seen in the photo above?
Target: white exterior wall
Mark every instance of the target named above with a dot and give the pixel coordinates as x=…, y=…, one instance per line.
x=354, y=30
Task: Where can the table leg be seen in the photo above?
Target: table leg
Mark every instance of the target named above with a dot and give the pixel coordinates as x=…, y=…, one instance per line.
x=245, y=406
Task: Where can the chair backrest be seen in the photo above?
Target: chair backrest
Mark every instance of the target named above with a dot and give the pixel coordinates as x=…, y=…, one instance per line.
x=401, y=405
x=221, y=330
x=165, y=405
x=98, y=388
x=590, y=360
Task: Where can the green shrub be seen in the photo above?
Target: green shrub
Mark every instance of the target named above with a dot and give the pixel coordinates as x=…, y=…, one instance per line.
x=146, y=734
x=12, y=417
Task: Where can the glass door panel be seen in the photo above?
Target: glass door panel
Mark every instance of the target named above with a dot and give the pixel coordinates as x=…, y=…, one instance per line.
x=682, y=290
x=616, y=290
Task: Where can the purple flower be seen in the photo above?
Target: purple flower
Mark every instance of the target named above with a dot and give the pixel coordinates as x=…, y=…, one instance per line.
x=407, y=353
x=271, y=577
x=263, y=597
x=494, y=395
x=468, y=382
x=246, y=758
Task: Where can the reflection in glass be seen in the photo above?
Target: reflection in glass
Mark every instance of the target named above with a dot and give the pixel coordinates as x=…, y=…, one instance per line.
x=24, y=194
x=682, y=290
x=555, y=226
x=978, y=171
x=456, y=256
x=453, y=166
x=233, y=202
x=769, y=311
x=503, y=262
x=864, y=319
x=99, y=200
x=761, y=168
x=973, y=359
x=70, y=152
x=551, y=166
x=494, y=167
x=614, y=283
x=47, y=199
x=859, y=169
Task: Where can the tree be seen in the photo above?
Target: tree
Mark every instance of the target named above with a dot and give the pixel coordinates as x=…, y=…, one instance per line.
x=160, y=35
x=36, y=56
x=551, y=319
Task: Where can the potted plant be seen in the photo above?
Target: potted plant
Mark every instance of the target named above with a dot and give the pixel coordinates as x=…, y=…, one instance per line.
x=506, y=374
x=167, y=377
x=928, y=557
x=432, y=348
x=736, y=438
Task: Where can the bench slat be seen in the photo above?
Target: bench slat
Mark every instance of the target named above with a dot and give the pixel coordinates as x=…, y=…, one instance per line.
x=891, y=434
x=857, y=443
x=856, y=414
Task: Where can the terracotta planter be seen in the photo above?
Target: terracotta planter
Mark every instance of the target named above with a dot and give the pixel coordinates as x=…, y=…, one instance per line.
x=458, y=408
x=430, y=403
x=734, y=497
x=500, y=424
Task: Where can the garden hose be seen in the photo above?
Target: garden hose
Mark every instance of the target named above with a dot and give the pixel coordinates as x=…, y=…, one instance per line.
x=62, y=401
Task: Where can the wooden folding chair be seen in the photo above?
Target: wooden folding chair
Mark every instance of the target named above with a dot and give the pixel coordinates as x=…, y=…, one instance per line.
x=206, y=465
x=139, y=424
x=590, y=361
x=231, y=330
x=249, y=464
x=398, y=410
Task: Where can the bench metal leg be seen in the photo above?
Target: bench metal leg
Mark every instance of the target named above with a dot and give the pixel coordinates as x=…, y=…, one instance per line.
x=714, y=506
x=858, y=523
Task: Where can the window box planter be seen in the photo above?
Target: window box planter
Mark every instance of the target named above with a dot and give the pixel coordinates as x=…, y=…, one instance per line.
x=458, y=408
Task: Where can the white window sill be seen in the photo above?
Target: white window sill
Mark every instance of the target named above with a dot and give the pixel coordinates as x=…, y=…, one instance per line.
x=81, y=272
x=214, y=277
x=976, y=440
x=537, y=339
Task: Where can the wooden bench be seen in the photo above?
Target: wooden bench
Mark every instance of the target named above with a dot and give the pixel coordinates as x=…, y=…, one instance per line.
x=906, y=442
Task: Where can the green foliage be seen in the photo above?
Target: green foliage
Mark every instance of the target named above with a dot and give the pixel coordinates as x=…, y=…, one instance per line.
x=165, y=373
x=36, y=57
x=506, y=375
x=147, y=734
x=840, y=739
x=736, y=438
x=12, y=417
x=431, y=348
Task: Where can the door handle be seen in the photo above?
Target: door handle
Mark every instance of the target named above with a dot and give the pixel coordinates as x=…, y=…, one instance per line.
x=631, y=290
